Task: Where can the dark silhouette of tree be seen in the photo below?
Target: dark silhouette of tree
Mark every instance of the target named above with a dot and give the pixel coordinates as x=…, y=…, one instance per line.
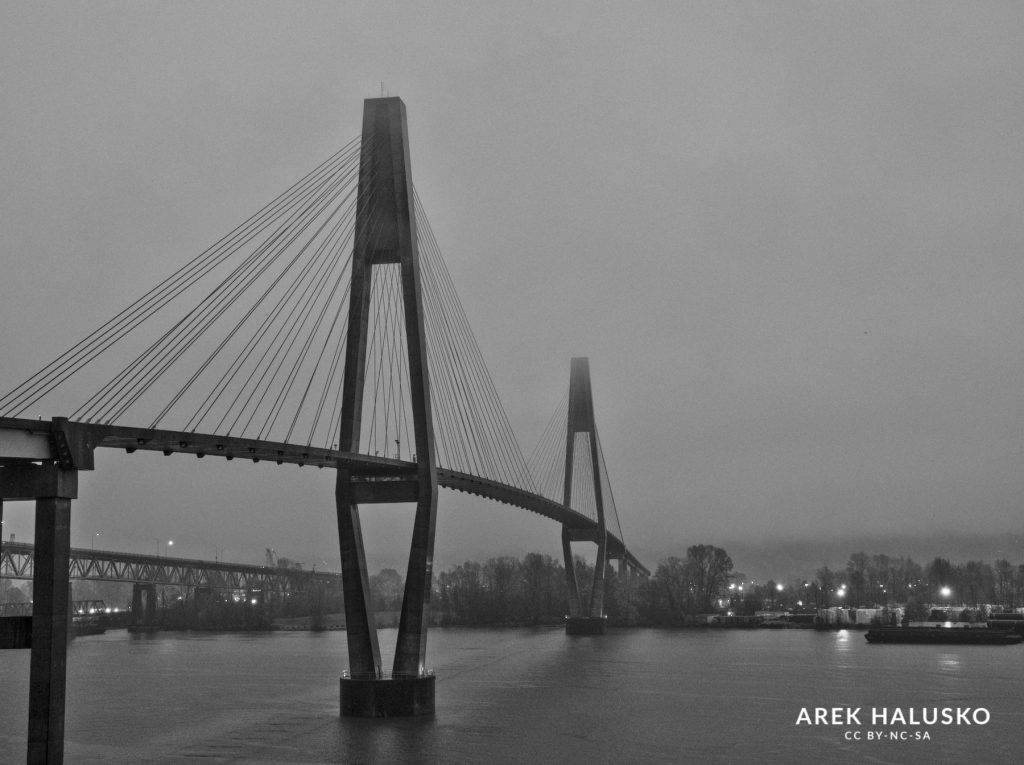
x=670, y=592
x=709, y=569
x=541, y=575
x=1004, y=575
x=857, y=576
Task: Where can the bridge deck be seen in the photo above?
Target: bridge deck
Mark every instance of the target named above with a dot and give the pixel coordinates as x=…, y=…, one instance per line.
x=24, y=439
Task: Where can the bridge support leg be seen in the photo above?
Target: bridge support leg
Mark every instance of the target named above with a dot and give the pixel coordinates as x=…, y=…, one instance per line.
x=51, y=617
x=149, y=614
x=411, y=650
x=571, y=582
x=360, y=630
x=144, y=605
x=136, y=605
x=594, y=621
x=597, y=593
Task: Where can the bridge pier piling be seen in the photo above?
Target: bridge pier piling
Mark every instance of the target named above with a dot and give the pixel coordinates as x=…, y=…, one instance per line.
x=52, y=487
x=144, y=605
x=50, y=625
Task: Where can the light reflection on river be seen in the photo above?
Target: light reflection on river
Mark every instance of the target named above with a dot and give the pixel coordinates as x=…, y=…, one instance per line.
x=728, y=696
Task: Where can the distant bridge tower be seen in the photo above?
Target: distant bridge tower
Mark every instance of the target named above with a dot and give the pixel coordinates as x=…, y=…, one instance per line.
x=581, y=433
x=385, y=234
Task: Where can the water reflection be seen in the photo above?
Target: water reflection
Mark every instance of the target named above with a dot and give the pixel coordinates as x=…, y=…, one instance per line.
x=949, y=662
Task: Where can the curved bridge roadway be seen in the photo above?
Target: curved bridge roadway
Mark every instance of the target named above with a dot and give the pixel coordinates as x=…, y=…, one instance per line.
x=72, y=445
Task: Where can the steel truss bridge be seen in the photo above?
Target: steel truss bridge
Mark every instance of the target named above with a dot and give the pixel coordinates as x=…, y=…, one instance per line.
x=17, y=561
x=324, y=331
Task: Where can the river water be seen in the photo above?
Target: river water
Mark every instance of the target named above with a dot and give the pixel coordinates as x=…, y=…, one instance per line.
x=511, y=696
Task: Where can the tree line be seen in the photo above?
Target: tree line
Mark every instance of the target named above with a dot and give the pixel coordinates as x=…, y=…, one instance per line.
x=881, y=580
x=534, y=590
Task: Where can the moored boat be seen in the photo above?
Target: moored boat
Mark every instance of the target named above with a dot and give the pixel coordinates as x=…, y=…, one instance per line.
x=945, y=635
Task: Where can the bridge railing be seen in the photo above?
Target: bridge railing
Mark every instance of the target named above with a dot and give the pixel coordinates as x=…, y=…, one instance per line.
x=386, y=674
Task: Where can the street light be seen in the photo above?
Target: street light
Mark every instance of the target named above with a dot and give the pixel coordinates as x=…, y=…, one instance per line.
x=945, y=591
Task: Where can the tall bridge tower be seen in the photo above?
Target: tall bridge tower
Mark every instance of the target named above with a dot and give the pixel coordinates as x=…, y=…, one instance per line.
x=385, y=236
x=581, y=434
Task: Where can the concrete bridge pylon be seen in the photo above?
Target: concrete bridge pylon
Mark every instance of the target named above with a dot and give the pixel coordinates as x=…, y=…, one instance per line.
x=385, y=235
x=581, y=432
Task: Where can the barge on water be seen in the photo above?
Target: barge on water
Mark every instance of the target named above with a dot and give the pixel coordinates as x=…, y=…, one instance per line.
x=944, y=635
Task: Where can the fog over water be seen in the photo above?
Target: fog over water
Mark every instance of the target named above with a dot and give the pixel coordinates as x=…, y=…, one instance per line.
x=786, y=234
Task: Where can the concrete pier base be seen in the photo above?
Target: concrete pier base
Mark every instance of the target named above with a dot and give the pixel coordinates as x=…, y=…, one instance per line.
x=397, y=697
x=585, y=625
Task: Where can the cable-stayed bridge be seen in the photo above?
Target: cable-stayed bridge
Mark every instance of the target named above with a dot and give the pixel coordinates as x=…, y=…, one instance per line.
x=323, y=331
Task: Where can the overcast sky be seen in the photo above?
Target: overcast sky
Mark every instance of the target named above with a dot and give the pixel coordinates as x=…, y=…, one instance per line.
x=787, y=235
